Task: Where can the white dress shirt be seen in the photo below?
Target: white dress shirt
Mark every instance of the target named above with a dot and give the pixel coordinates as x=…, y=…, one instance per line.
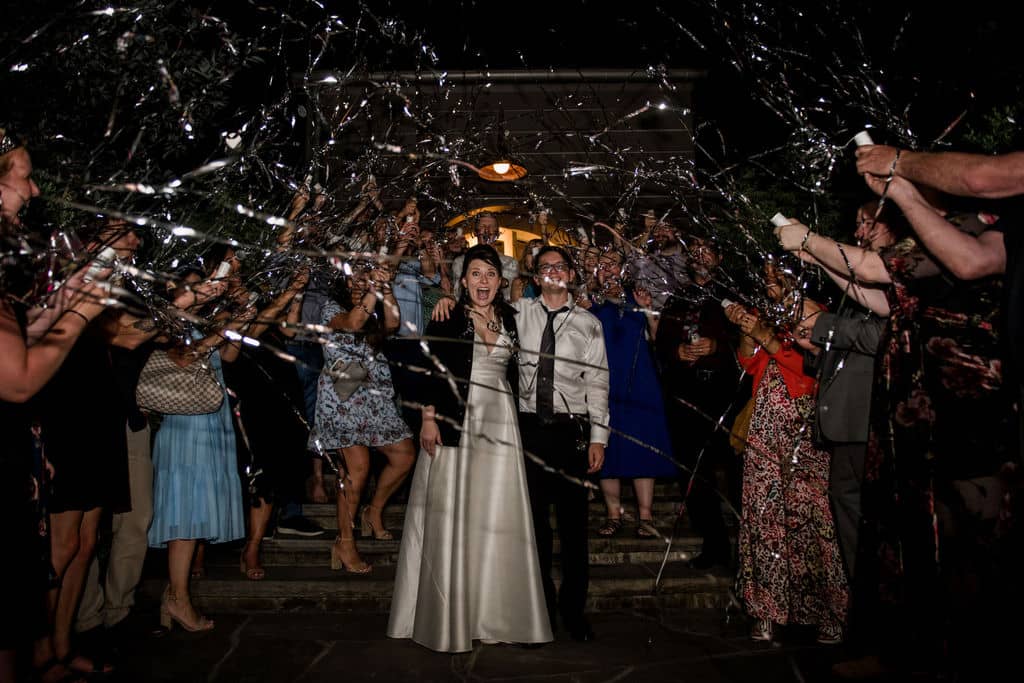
x=581, y=363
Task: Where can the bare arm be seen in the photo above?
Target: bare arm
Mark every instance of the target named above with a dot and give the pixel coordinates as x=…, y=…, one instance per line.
x=354, y=319
x=293, y=318
x=516, y=289
x=866, y=266
x=392, y=314
x=871, y=298
x=129, y=331
x=645, y=301
x=966, y=175
x=298, y=205
x=595, y=376
x=966, y=256
x=272, y=313
x=25, y=370
x=755, y=333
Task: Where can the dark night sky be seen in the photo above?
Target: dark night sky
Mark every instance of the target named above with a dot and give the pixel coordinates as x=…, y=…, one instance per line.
x=939, y=59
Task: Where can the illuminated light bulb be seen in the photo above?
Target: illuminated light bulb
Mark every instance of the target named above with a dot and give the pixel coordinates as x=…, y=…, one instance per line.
x=501, y=167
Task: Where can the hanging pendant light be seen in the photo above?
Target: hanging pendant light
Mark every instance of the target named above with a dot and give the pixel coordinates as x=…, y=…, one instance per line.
x=503, y=169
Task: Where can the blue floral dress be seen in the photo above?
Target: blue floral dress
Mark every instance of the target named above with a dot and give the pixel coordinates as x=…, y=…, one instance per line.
x=370, y=416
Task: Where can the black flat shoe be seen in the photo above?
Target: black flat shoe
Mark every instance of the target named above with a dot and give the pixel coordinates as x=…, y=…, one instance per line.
x=582, y=633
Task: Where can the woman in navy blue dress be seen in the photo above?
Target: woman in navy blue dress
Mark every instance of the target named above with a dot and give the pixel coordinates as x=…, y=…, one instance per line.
x=639, y=447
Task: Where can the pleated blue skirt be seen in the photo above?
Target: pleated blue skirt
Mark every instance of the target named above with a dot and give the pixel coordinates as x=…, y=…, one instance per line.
x=197, y=492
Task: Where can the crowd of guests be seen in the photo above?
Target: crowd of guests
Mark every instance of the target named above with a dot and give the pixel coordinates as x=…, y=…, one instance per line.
x=868, y=452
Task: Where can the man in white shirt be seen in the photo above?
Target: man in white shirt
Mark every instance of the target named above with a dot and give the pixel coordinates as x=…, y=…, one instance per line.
x=563, y=419
x=487, y=232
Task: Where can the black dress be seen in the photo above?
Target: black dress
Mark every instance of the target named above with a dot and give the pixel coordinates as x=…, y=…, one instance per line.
x=83, y=417
x=273, y=432
x=25, y=567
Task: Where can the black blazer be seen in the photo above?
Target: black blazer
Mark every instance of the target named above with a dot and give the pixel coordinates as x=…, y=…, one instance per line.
x=451, y=341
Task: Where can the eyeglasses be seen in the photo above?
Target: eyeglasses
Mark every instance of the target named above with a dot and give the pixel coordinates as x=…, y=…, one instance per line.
x=560, y=267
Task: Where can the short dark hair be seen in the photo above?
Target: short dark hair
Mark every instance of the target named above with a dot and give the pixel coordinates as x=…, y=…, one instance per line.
x=549, y=248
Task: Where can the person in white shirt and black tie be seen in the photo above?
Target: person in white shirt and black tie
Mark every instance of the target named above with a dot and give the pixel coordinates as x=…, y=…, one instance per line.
x=563, y=421
x=563, y=418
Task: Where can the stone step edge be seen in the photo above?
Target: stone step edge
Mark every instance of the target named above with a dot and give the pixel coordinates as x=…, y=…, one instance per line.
x=366, y=587
x=214, y=605
x=386, y=558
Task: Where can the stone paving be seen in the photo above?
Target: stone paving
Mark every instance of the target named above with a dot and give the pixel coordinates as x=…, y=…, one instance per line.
x=694, y=645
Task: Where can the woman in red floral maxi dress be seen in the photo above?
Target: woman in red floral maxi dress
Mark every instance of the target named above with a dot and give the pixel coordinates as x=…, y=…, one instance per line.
x=791, y=570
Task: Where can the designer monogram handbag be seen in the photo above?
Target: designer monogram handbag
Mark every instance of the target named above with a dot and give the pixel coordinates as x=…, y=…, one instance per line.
x=168, y=388
x=348, y=376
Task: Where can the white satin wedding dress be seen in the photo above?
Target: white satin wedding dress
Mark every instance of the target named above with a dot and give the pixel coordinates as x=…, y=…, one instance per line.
x=467, y=566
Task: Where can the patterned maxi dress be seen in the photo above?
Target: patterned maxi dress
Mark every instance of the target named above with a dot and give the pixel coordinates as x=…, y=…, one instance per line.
x=942, y=431
x=791, y=571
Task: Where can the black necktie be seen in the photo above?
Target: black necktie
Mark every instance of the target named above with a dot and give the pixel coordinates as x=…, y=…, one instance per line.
x=546, y=369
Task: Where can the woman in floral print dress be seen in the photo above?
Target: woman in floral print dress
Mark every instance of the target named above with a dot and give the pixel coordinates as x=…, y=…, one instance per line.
x=369, y=417
x=791, y=571
x=942, y=433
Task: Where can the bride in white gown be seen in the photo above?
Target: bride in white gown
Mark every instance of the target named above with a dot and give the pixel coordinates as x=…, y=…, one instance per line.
x=467, y=567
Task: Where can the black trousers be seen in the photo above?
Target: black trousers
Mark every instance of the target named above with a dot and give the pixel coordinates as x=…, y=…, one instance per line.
x=563, y=446
x=691, y=435
x=404, y=353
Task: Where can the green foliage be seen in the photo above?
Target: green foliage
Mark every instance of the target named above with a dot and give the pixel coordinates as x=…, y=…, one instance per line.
x=995, y=131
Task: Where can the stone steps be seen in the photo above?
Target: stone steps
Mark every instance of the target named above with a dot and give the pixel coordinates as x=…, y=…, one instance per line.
x=298, y=578
x=664, y=490
x=317, y=589
x=663, y=511
x=624, y=548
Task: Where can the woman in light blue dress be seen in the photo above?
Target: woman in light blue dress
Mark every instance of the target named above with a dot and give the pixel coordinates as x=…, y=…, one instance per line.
x=197, y=493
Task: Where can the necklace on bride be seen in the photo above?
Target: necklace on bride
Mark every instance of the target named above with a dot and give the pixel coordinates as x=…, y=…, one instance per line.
x=492, y=322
